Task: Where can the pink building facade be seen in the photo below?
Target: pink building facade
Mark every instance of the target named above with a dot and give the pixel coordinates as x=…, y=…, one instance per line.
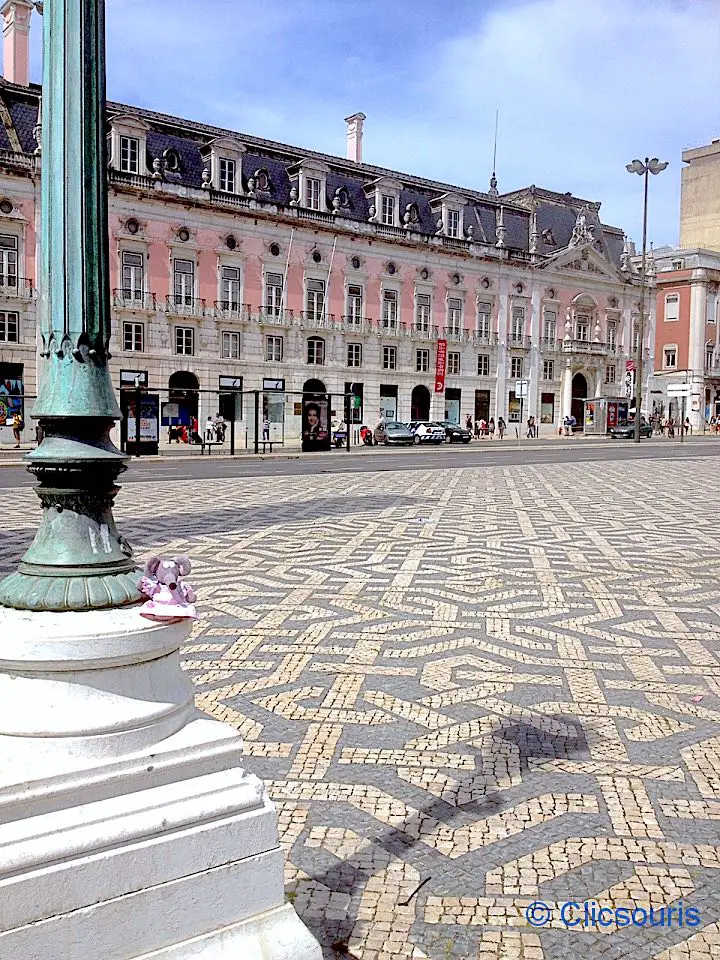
x=238, y=261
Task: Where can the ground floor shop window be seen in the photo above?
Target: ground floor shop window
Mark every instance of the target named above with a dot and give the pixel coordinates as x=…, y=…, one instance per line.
x=547, y=408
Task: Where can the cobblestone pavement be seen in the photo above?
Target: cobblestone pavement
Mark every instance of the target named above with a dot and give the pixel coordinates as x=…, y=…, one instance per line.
x=467, y=690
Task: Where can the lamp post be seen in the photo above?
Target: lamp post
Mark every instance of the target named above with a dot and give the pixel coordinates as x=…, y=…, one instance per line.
x=642, y=168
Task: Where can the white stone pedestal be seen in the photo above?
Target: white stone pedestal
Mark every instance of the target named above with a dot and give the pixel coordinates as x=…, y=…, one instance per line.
x=128, y=828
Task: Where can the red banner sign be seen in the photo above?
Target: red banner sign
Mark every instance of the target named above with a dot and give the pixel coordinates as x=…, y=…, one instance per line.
x=440, y=366
x=630, y=366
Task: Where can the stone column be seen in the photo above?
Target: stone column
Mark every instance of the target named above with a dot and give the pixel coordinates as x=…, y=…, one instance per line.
x=502, y=352
x=566, y=392
x=696, y=348
x=534, y=359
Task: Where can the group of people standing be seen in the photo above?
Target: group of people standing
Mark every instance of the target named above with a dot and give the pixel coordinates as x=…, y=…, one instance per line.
x=486, y=428
x=668, y=426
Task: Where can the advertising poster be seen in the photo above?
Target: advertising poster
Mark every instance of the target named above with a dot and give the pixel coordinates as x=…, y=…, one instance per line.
x=315, y=423
x=11, y=400
x=149, y=417
x=612, y=415
x=440, y=364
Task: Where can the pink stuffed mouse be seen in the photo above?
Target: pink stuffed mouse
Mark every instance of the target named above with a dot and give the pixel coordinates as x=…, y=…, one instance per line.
x=169, y=597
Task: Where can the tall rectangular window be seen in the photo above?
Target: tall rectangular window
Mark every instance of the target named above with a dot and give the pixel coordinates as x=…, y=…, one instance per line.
x=312, y=193
x=133, y=337
x=8, y=261
x=129, y=154
x=354, y=303
x=483, y=366
x=184, y=281
x=316, y=350
x=9, y=327
x=422, y=312
x=709, y=355
x=422, y=361
x=453, y=362
x=455, y=314
x=274, y=349
x=517, y=330
x=230, y=346
x=484, y=310
x=227, y=175
x=387, y=210
x=672, y=306
x=670, y=357
x=612, y=335
x=548, y=369
x=315, y=299
x=390, y=308
x=133, y=275
x=389, y=358
x=712, y=301
x=549, y=325
x=582, y=326
x=516, y=367
x=610, y=373
x=185, y=341
x=273, y=293
x=230, y=288
x=453, y=223
x=354, y=354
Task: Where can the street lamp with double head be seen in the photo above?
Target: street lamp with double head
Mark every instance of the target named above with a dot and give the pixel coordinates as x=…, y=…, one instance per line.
x=642, y=168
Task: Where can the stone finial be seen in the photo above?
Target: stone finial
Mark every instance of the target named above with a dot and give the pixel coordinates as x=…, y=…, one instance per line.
x=355, y=136
x=493, y=191
x=294, y=202
x=534, y=236
x=372, y=213
x=500, y=231
x=207, y=178
x=625, y=264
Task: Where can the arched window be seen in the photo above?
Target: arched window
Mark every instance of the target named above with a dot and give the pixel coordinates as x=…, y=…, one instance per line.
x=316, y=351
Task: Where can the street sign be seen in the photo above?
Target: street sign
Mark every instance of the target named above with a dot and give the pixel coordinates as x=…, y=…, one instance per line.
x=521, y=388
x=678, y=390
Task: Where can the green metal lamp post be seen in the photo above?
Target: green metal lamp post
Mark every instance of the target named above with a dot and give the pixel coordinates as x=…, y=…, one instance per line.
x=78, y=561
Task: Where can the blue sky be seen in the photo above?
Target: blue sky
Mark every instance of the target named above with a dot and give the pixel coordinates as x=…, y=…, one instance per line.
x=582, y=86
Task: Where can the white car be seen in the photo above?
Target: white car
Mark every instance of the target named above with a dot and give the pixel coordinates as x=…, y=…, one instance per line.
x=426, y=431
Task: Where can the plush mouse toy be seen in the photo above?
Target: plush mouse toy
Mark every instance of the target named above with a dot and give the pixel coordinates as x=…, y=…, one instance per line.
x=169, y=597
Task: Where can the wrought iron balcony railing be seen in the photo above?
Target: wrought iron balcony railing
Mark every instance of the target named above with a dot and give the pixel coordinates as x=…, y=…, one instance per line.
x=275, y=317
x=184, y=306
x=127, y=299
x=231, y=310
x=317, y=321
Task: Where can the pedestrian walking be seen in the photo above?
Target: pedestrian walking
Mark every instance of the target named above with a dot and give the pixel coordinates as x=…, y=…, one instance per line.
x=468, y=423
x=687, y=428
x=478, y=429
x=491, y=427
x=501, y=426
x=17, y=426
x=530, y=428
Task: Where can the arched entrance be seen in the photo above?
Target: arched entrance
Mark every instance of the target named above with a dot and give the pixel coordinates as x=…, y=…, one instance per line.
x=183, y=389
x=420, y=403
x=579, y=396
x=314, y=388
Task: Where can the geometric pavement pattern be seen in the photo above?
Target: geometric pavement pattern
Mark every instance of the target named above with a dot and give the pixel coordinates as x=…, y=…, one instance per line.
x=466, y=690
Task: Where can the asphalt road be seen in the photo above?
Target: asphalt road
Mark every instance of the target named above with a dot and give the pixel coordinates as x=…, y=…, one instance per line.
x=366, y=459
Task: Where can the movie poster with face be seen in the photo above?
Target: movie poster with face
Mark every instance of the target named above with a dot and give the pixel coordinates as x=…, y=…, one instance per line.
x=315, y=423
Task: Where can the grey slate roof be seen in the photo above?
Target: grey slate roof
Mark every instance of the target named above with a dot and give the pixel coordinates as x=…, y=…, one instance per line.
x=555, y=211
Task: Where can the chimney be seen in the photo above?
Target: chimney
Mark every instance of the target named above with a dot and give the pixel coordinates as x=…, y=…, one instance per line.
x=354, y=136
x=16, y=40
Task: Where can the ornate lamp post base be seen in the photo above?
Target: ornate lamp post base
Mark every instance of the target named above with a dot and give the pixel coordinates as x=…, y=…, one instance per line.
x=128, y=827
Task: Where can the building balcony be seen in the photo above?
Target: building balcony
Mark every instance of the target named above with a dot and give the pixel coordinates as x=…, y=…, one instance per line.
x=132, y=179
x=316, y=216
x=588, y=346
x=21, y=161
x=483, y=338
x=455, y=243
x=182, y=306
x=275, y=318
x=317, y=321
x=356, y=324
x=422, y=331
x=456, y=334
x=518, y=341
x=228, y=310
x=16, y=288
x=134, y=300
x=391, y=328
x=550, y=345
x=388, y=230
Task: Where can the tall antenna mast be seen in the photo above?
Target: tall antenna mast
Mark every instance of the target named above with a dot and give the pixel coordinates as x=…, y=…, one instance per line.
x=493, y=179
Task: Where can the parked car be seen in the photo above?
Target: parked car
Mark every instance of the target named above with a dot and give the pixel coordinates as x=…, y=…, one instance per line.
x=425, y=431
x=626, y=431
x=454, y=433
x=392, y=431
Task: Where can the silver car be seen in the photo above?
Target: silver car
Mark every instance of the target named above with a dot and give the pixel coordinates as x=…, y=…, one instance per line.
x=392, y=432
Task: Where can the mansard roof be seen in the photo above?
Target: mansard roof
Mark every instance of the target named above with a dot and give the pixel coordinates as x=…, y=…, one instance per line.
x=556, y=213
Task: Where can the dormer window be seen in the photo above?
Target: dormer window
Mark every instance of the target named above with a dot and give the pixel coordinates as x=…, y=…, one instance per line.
x=225, y=169
x=128, y=145
x=453, y=223
x=129, y=155
x=387, y=210
x=227, y=175
x=451, y=208
x=312, y=193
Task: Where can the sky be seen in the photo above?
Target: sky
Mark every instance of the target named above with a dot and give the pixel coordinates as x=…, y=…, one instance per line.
x=582, y=87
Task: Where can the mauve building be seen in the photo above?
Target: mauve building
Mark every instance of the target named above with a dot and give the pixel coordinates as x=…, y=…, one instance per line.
x=237, y=261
